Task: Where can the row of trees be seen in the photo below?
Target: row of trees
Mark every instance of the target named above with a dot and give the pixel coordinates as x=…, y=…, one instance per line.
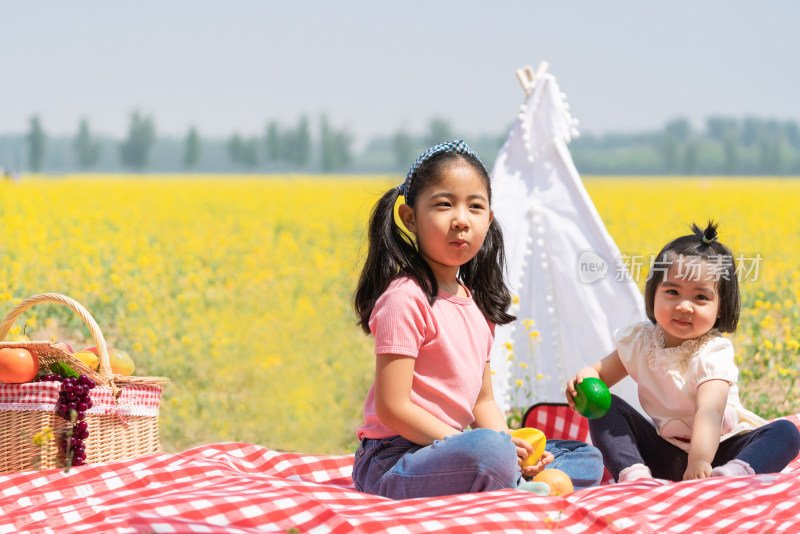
x=725, y=146
x=281, y=146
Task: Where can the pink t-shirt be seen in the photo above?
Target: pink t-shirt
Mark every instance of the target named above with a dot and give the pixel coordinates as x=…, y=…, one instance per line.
x=450, y=340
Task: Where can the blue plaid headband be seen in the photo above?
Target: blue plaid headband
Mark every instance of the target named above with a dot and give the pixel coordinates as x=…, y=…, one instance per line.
x=455, y=146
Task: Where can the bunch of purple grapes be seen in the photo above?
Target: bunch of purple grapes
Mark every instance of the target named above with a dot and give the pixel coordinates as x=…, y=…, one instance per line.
x=73, y=401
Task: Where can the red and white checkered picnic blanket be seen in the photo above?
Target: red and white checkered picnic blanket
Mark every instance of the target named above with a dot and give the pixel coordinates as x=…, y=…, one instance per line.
x=244, y=488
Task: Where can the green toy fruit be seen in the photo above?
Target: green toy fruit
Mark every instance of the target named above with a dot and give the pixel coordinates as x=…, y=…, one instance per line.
x=593, y=399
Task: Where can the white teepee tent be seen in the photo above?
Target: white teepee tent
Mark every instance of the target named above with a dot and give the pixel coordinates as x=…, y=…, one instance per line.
x=563, y=265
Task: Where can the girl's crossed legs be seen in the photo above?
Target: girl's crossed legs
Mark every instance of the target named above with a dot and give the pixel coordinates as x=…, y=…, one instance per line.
x=472, y=461
x=626, y=437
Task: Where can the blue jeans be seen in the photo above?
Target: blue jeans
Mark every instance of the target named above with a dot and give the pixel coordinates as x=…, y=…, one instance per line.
x=626, y=437
x=472, y=461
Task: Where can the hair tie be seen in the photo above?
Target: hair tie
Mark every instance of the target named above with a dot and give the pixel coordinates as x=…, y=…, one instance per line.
x=709, y=241
x=455, y=146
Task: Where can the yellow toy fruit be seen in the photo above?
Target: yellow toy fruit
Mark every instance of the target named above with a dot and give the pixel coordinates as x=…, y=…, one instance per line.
x=121, y=363
x=537, y=440
x=91, y=359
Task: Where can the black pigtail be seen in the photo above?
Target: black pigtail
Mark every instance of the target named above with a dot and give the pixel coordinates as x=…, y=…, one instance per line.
x=709, y=235
x=390, y=250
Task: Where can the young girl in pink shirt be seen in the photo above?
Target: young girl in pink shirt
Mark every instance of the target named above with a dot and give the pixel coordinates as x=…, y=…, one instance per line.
x=431, y=300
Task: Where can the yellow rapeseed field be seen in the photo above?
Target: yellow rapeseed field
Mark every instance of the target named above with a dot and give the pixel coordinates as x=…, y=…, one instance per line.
x=238, y=288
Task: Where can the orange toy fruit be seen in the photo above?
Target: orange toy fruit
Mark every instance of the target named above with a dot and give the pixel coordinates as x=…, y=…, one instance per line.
x=17, y=365
x=537, y=440
x=558, y=480
x=593, y=399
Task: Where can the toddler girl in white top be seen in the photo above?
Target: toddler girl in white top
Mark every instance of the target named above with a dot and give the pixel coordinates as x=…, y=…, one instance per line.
x=686, y=376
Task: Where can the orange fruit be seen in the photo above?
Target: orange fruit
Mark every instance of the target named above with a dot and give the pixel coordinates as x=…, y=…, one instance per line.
x=558, y=480
x=537, y=440
x=17, y=365
x=593, y=399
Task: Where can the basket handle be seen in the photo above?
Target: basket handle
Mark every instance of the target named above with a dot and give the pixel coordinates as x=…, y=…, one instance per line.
x=5, y=326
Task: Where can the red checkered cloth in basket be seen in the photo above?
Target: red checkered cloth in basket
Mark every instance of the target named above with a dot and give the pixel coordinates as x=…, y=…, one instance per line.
x=557, y=421
x=243, y=488
x=43, y=396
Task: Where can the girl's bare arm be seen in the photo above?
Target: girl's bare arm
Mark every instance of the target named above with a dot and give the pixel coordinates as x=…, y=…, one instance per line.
x=712, y=397
x=486, y=411
x=393, y=378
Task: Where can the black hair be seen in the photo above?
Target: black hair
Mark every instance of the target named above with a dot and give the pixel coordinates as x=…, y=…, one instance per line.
x=393, y=252
x=702, y=244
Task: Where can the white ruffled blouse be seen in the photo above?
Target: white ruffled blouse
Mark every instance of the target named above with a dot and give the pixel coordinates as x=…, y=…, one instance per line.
x=667, y=379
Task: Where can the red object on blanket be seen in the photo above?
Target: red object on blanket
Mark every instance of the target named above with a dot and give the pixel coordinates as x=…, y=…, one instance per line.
x=243, y=488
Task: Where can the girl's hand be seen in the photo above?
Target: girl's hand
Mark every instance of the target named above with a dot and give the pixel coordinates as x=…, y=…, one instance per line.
x=523, y=450
x=698, y=469
x=531, y=471
x=570, y=392
x=610, y=370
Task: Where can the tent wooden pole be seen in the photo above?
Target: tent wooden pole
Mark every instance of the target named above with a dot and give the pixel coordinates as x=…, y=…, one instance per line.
x=522, y=76
x=527, y=77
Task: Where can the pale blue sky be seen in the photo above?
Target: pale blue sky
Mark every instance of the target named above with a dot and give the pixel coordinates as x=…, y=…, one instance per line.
x=377, y=66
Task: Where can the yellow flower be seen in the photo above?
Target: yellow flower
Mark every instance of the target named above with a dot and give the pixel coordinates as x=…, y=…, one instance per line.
x=523, y=365
x=539, y=376
x=508, y=346
x=767, y=322
x=518, y=383
x=41, y=438
x=515, y=299
x=528, y=323
x=534, y=334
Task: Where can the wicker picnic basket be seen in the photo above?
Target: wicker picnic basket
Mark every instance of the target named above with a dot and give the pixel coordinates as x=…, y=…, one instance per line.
x=122, y=423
